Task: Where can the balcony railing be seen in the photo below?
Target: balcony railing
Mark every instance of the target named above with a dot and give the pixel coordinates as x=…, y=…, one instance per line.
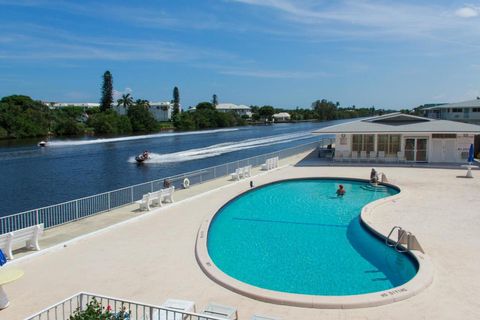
x=131, y=309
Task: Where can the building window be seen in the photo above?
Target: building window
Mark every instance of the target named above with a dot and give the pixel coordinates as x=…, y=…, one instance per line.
x=475, y=109
x=457, y=110
x=444, y=136
x=363, y=142
x=389, y=143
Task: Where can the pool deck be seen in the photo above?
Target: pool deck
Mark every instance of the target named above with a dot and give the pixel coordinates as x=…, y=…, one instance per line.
x=151, y=257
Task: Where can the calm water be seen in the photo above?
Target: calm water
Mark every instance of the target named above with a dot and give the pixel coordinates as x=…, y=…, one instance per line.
x=33, y=177
x=298, y=237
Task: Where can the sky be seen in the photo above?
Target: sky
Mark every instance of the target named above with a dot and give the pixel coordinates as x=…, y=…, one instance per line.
x=285, y=53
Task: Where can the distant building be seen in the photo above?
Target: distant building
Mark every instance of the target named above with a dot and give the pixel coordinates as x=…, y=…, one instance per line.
x=241, y=109
x=466, y=111
x=59, y=105
x=161, y=111
x=282, y=116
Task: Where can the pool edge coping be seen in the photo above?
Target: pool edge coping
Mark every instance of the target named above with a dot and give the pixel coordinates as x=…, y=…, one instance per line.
x=418, y=283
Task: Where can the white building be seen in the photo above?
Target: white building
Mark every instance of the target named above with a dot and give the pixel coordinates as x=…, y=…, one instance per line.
x=161, y=111
x=241, y=109
x=59, y=105
x=401, y=137
x=282, y=116
x=466, y=111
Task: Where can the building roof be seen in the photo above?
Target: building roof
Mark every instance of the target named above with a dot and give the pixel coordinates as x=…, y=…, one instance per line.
x=161, y=103
x=281, y=115
x=231, y=106
x=400, y=123
x=72, y=104
x=464, y=104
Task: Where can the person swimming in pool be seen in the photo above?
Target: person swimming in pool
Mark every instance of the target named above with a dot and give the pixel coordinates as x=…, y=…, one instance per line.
x=340, y=191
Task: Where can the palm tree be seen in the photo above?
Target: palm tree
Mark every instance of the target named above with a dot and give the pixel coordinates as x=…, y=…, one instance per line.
x=142, y=103
x=126, y=100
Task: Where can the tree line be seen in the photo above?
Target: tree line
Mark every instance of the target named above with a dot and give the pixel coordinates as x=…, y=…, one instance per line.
x=21, y=116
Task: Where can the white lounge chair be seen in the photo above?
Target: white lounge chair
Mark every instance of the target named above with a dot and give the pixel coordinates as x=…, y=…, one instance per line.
x=338, y=156
x=401, y=156
x=346, y=156
x=354, y=156
x=381, y=156
x=177, y=307
x=247, y=171
x=220, y=311
x=236, y=174
x=363, y=155
x=275, y=162
x=372, y=156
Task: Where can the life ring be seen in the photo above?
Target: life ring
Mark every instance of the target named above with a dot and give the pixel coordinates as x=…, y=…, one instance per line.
x=186, y=183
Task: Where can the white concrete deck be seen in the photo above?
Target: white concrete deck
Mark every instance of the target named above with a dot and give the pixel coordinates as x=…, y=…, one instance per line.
x=152, y=258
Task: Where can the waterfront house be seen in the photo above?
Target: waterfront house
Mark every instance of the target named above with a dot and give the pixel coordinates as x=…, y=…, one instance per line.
x=403, y=137
x=240, y=109
x=282, y=116
x=60, y=105
x=466, y=111
x=161, y=111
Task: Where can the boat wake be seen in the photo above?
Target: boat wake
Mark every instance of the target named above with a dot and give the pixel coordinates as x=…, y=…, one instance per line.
x=67, y=143
x=221, y=148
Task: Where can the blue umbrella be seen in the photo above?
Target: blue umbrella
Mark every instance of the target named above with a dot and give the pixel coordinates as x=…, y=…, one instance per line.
x=470, y=154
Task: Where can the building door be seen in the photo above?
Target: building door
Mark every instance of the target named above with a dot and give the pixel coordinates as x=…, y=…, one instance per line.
x=416, y=149
x=443, y=150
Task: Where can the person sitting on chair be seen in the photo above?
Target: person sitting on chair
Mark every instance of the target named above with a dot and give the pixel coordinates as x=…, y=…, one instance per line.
x=373, y=176
x=340, y=191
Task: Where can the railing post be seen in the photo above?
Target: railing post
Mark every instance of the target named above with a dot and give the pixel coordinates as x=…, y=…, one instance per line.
x=36, y=217
x=151, y=186
x=109, y=205
x=76, y=209
x=131, y=193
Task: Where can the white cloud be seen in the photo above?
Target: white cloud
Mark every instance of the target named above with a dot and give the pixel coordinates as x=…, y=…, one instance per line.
x=373, y=19
x=272, y=74
x=118, y=94
x=467, y=12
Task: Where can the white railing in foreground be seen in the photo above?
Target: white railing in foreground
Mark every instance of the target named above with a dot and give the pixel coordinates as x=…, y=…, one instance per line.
x=69, y=211
x=135, y=310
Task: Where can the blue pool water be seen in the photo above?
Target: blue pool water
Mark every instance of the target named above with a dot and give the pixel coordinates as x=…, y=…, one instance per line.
x=296, y=236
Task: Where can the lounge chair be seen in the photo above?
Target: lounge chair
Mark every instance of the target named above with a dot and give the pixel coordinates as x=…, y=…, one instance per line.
x=354, y=156
x=346, y=156
x=363, y=156
x=220, y=311
x=236, y=174
x=176, y=309
x=372, y=156
x=401, y=156
x=381, y=156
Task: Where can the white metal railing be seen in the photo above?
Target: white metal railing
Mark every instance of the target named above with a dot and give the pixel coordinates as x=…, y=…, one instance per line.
x=134, y=310
x=73, y=210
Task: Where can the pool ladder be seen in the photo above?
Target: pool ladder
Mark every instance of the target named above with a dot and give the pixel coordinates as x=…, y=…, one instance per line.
x=406, y=241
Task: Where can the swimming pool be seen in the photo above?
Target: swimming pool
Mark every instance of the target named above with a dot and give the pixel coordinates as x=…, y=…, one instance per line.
x=296, y=236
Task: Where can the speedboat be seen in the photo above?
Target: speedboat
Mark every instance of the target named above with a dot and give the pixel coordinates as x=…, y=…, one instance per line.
x=42, y=143
x=142, y=157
